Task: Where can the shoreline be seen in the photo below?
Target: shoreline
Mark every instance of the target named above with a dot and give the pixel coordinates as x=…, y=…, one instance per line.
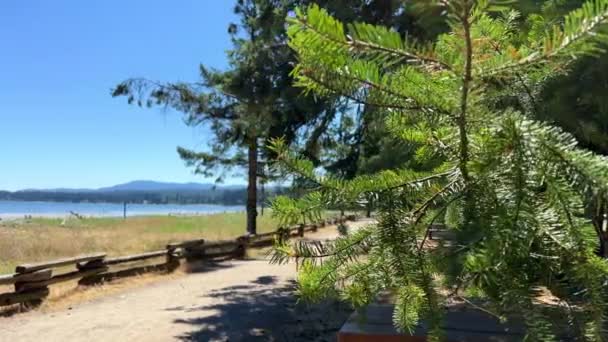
x=20, y=216
x=14, y=210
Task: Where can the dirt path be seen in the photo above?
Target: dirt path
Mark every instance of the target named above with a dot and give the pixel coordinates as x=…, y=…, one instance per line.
x=228, y=301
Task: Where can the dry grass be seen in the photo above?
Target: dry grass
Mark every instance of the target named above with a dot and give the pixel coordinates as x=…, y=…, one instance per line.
x=42, y=239
x=45, y=239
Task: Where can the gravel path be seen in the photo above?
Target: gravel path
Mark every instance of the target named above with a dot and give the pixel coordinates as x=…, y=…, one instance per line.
x=228, y=301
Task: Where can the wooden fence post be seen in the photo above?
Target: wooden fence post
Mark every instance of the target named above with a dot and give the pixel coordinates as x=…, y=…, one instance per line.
x=34, y=296
x=172, y=260
x=241, y=251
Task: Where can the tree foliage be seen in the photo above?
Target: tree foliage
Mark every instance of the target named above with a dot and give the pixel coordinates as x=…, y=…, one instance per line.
x=579, y=92
x=512, y=189
x=357, y=141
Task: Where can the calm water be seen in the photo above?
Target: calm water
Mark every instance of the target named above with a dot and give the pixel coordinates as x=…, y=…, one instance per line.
x=16, y=209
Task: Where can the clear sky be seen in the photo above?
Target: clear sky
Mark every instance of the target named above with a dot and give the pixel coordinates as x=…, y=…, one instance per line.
x=59, y=126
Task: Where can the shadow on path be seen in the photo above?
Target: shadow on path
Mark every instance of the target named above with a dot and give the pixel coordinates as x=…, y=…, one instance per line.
x=263, y=310
x=206, y=266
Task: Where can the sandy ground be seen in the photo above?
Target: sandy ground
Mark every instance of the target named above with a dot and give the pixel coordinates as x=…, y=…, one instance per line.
x=229, y=301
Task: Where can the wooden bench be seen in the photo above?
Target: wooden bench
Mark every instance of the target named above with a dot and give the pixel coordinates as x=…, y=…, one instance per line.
x=375, y=324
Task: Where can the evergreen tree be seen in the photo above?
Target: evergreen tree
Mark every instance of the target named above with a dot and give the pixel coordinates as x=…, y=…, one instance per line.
x=245, y=106
x=512, y=189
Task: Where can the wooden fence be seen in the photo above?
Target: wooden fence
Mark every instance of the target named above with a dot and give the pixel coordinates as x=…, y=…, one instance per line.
x=31, y=281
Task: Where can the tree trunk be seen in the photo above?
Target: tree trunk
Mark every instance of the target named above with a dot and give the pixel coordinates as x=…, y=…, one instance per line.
x=252, y=186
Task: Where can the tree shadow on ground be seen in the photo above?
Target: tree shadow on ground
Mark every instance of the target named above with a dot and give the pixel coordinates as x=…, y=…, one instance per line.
x=264, y=310
x=205, y=266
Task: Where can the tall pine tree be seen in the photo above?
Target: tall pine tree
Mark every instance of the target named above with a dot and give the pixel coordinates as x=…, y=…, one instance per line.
x=245, y=106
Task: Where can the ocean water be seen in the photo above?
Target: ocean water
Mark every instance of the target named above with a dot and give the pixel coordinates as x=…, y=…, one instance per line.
x=17, y=209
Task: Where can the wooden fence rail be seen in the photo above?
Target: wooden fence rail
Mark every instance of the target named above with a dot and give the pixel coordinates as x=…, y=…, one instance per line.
x=27, y=268
x=31, y=281
x=136, y=257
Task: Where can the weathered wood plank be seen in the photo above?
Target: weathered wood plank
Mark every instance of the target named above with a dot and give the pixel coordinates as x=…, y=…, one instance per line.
x=35, y=276
x=16, y=298
x=185, y=244
x=26, y=268
x=26, y=286
x=136, y=257
x=7, y=279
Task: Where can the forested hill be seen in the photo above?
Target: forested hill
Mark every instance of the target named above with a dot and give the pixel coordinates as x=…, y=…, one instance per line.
x=140, y=192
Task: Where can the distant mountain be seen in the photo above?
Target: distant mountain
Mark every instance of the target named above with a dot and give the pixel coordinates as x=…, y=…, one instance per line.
x=64, y=190
x=146, y=185
x=144, y=191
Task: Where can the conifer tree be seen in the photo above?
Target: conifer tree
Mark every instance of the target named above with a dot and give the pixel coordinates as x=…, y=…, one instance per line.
x=244, y=106
x=511, y=189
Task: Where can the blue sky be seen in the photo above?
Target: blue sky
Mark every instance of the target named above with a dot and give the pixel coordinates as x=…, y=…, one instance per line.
x=59, y=126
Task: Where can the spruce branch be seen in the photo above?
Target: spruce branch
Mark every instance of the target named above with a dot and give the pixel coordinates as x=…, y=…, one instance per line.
x=351, y=43
x=578, y=36
x=448, y=173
